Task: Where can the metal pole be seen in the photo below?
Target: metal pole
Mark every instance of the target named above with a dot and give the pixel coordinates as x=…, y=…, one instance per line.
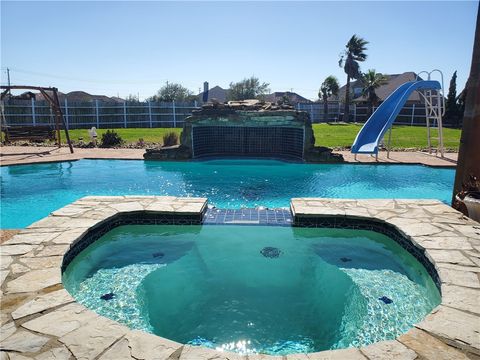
x=150, y=112
x=33, y=112
x=59, y=116
x=354, y=113
x=125, y=114
x=96, y=114
x=413, y=114
x=66, y=113
x=388, y=142
x=57, y=122
x=8, y=77
x=174, y=115
x=427, y=117
x=440, y=124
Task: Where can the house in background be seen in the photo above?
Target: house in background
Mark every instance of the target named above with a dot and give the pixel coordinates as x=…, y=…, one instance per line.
x=221, y=95
x=81, y=96
x=413, y=110
x=392, y=82
x=218, y=93
x=28, y=95
x=293, y=97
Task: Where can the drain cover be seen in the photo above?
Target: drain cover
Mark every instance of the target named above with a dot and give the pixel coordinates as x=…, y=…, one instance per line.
x=386, y=300
x=271, y=252
x=108, y=296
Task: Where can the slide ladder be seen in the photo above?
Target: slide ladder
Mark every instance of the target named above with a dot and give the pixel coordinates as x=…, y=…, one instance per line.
x=434, y=111
x=370, y=136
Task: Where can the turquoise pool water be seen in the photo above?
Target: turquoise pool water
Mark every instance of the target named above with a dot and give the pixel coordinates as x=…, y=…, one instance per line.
x=31, y=192
x=254, y=289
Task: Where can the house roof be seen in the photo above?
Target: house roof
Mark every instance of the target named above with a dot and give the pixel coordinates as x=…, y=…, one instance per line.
x=27, y=95
x=393, y=81
x=215, y=93
x=292, y=96
x=80, y=96
x=221, y=95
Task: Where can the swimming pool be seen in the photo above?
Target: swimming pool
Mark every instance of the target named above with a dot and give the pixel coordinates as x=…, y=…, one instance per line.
x=31, y=192
x=254, y=289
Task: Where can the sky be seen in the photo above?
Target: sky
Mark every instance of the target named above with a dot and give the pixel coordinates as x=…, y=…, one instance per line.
x=132, y=47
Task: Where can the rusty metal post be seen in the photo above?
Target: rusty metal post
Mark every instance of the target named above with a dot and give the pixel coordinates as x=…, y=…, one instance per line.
x=60, y=116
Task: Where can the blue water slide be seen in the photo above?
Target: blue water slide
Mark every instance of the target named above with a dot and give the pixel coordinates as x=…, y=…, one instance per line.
x=372, y=132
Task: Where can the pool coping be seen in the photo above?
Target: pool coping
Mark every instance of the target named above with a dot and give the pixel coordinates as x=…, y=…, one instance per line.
x=29, y=155
x=40, y=319
x=385, y=163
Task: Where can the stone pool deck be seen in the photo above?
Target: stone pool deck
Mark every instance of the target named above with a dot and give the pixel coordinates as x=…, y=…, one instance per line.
x=12, y=155
x=40, y=320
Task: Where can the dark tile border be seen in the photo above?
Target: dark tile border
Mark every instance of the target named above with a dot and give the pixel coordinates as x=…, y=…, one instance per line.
x=372, y=224
x=126, y=218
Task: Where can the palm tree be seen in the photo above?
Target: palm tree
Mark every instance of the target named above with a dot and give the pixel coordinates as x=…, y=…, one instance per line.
x=329, y=87
x=349, y=59
x=371, y=81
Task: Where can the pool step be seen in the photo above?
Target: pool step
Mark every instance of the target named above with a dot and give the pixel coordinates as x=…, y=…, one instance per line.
x=279, y=217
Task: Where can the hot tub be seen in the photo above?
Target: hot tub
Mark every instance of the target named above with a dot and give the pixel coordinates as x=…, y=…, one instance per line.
x=254, y=289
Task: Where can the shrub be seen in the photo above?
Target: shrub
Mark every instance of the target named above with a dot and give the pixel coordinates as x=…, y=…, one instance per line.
x=110, y=139
x=170, y=139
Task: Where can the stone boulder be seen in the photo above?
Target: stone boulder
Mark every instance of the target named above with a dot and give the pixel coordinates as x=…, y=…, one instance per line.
x=173, y=153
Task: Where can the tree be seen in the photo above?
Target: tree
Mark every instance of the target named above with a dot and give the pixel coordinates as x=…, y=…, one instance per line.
x=468, y=164
x=451, y=107
x=371, y=81
x=248, y=89
x=349, y=60
x=461, y=98
x=328, y=88
x=132, y=99
x=285, y=100
x=173, y=92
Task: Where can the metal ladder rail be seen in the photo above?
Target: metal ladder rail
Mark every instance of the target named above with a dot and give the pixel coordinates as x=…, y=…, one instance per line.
x=440, y=112
x=433, y=113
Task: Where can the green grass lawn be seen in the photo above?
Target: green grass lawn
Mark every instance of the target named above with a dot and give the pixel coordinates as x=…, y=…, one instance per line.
x=130, y=136
x=403, y=136
x=335, y=135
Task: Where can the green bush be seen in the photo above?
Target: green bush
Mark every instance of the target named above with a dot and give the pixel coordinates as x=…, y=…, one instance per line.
x=111, y=139
x=170, y=139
